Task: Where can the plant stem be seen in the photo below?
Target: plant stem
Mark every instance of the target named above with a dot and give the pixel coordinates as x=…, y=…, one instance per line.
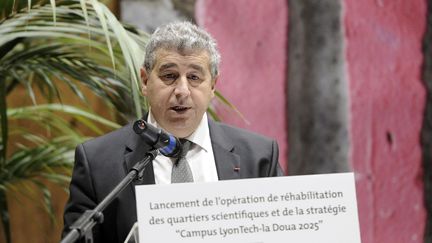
x=5, y=216
x=3, y=121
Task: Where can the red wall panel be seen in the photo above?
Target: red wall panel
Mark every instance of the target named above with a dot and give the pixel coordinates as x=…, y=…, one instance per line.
x=252, y=40
x=387, y=99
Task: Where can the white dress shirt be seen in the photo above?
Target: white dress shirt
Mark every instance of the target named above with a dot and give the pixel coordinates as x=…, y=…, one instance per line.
x=200, y=157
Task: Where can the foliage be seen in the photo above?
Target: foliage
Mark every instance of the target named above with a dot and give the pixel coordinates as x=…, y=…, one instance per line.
x=44, y=47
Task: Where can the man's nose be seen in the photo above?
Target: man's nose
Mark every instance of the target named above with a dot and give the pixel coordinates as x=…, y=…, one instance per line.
x=182, y=87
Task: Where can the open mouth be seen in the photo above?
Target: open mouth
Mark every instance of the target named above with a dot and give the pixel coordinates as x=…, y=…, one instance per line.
x=180, y=109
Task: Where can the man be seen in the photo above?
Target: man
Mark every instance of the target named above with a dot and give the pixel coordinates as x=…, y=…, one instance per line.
x=178, y=79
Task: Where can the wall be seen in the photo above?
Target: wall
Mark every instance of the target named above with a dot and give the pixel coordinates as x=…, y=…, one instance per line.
x=252, y=40
x=387, y=100
x=384, y=58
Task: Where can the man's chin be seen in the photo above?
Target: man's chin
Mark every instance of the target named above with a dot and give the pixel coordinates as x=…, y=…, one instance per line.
x=180, y=129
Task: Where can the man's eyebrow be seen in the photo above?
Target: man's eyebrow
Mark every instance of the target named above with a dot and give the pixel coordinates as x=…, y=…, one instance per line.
x=197, y=67
x=167, y=65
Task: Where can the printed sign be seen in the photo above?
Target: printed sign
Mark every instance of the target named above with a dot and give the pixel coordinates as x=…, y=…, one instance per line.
x=307, y=209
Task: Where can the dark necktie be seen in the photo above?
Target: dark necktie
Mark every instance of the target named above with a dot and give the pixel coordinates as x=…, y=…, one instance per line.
x=181, y=171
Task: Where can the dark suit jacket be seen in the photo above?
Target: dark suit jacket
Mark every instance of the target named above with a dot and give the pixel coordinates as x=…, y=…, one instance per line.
x=101, y=163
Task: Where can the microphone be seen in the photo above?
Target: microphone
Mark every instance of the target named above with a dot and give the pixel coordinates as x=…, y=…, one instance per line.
x=166, y=143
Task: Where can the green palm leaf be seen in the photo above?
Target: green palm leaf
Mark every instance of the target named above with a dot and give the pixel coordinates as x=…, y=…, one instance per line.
x=39, y=158
x=44, y=44
x=49, y=116
x=72, y=28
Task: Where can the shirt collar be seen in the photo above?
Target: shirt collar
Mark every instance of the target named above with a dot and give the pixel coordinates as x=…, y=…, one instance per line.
x=200, y=137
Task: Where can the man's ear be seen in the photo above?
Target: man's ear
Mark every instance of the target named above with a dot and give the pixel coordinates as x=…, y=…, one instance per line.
x=213, y=85
x=144, y=79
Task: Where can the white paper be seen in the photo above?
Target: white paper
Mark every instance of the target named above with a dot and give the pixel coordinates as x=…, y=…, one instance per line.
x=307, y=209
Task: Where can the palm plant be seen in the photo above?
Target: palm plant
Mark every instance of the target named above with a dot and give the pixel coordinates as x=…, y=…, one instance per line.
x=43, y=46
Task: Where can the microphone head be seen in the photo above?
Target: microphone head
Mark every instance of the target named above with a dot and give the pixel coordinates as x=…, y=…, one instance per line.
x=166, y=143
x=139, y=126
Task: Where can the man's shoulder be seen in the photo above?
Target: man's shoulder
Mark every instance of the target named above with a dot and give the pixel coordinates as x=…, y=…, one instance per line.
x=117, y=137
x=236, y=133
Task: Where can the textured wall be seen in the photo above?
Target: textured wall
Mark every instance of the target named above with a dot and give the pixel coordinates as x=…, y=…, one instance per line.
x=387, y=100
x=387, y=97
x=252, y=39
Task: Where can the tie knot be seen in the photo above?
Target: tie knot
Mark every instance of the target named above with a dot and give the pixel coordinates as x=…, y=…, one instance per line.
x=186, y=144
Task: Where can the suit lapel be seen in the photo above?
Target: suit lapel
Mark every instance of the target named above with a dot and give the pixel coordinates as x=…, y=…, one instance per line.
x=227, y=161
x=135, y=151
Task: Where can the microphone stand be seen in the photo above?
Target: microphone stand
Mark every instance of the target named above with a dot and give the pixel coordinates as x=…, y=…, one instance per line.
x=83, y=225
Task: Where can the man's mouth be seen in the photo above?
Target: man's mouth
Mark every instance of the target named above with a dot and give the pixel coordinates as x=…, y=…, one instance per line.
x=180, y=109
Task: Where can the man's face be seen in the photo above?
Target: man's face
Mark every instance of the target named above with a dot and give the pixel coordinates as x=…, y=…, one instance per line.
x=179, y=89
